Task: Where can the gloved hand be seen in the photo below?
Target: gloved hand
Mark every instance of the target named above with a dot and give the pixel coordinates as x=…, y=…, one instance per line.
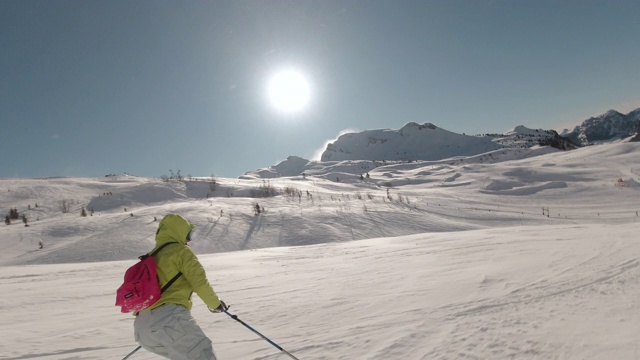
x=221, y=308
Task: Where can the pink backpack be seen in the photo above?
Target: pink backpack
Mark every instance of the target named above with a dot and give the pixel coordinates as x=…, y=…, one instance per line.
x=141, y=288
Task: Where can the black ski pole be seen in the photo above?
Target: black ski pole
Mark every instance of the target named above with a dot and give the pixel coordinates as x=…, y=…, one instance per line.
x=235, y=317
x=131, y=353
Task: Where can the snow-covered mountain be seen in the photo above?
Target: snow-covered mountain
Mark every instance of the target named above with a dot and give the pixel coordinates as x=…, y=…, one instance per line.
x=292, y=166
x=354, y=154
x=412, y=142
x=608, y=127
x=427, y=142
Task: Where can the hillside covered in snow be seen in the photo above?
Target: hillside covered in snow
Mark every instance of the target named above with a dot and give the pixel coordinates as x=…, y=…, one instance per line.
x=511, y=254
x=301, y=209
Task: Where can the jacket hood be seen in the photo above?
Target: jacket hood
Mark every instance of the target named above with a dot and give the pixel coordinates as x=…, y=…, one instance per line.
x=173, y=228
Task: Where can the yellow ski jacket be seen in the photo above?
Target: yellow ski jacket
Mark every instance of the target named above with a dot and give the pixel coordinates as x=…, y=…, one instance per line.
x=177, y=258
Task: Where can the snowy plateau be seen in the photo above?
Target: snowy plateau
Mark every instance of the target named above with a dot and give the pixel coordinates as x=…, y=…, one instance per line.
x=501, y=253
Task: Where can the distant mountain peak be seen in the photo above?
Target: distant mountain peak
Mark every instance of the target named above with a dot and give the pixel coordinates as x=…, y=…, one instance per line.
x=522, y=130
x=427, y=125
x=610, y=113
x=610, y=126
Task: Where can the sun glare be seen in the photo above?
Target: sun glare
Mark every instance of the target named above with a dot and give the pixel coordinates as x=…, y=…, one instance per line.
x=289, y=91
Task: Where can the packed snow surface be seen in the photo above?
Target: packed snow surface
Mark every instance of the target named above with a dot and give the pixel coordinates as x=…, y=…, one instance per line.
x=518, y=255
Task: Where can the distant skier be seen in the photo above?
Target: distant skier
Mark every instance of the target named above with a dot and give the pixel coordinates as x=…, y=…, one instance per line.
x=41, y=244
x=167, y=328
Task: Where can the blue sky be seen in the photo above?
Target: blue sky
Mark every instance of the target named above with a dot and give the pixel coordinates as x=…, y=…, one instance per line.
x=89, y=88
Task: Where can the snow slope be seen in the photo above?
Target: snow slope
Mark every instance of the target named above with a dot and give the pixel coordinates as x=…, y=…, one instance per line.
x=455, y=261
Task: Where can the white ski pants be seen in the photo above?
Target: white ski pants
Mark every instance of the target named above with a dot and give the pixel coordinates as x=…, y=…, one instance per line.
x=170, y=331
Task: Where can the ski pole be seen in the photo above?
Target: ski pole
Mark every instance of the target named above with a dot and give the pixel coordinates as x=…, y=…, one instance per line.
x=235, y=317
x=131, y=353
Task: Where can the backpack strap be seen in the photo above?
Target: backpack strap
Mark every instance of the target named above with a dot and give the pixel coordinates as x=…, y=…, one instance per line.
x=166, y=286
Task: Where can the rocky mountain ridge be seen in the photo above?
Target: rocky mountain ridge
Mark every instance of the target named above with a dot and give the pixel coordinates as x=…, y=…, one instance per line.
x=608, y=127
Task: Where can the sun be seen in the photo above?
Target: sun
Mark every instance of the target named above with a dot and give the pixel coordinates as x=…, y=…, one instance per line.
x=289, y=91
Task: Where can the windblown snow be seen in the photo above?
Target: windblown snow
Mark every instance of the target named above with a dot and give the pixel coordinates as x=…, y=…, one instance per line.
x=507, y=254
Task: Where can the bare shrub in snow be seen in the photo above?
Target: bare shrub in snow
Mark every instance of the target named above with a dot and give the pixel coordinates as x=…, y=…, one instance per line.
x=264, y=190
